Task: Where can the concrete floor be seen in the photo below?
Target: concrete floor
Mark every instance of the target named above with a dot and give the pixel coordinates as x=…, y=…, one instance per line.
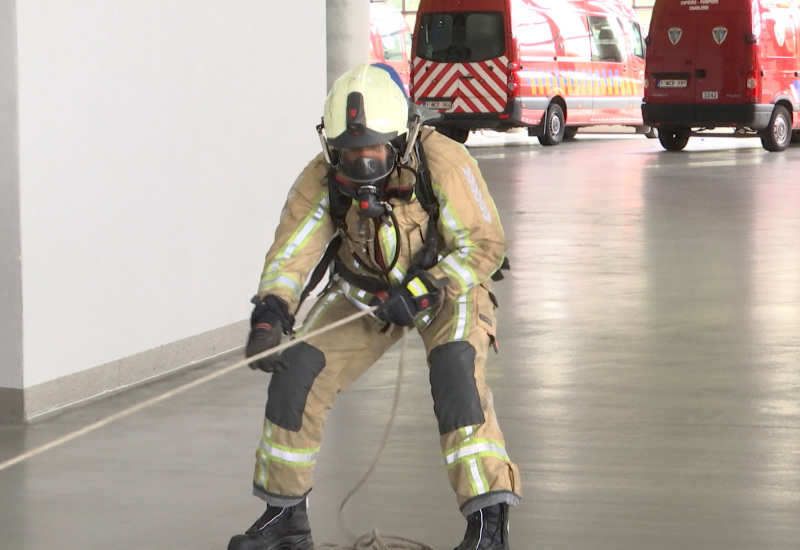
x=648, y=382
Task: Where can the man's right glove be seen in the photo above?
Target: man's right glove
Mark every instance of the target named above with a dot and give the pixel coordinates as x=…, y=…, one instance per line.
x=270, y=319
x=400, y=305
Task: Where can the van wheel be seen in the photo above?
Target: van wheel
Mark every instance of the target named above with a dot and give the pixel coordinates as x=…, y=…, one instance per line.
x=570, y=132
x=458, y=134
x=778, y=134
x=673, y=140
x=553, y=126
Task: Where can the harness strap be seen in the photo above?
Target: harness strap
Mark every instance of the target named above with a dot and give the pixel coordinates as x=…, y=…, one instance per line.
x=322, y=267
x=373, y=286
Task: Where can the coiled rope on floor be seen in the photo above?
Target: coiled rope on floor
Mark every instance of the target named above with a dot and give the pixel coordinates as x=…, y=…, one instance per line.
x=376, y=541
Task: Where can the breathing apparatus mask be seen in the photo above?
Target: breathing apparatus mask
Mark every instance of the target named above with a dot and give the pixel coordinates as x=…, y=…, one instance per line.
x=366, y=133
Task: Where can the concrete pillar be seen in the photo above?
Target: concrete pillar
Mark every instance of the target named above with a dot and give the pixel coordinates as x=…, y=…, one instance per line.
x=11, y=378
x=348, y=36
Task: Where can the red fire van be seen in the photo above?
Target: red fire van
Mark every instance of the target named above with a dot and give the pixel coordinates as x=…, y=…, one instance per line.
x=723, y=64
x=390, y=38
x=551, y=66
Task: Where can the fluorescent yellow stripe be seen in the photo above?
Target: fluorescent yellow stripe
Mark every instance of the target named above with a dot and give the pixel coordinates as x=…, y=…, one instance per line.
x=417, y=287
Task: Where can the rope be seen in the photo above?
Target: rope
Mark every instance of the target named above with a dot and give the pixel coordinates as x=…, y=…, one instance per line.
x=374, y=540
x=164, y=396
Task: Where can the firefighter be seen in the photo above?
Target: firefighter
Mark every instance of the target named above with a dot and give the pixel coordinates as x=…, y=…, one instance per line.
x=368, y=199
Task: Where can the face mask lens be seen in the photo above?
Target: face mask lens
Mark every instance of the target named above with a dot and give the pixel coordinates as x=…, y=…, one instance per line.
x=367, y=167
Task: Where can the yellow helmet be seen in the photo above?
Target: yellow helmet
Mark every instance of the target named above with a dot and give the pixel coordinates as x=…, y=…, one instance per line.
x=364, y=107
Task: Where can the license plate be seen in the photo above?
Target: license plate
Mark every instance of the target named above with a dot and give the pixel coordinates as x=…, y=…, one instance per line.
x=438, y=104
x=710, y=95
x=672, y=83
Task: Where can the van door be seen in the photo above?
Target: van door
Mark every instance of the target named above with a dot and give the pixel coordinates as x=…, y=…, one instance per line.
x=635, y=74
x=461, y=63
x=723, y=56
x=612, y=102
x=673, y=35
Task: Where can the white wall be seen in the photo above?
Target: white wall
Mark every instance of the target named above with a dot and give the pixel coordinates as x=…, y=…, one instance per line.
x=157, y=141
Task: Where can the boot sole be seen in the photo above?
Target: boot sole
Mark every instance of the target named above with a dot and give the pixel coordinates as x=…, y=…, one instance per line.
x=299, y=543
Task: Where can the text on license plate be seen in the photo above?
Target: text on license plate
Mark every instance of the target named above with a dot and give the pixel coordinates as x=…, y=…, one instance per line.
x=438, y=104
x=672, y=83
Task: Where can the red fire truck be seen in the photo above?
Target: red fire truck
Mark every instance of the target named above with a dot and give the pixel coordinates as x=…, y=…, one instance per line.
x=724, y=64
x=551, y=66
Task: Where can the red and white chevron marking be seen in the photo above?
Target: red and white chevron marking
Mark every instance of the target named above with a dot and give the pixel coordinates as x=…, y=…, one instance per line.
x=480, y=87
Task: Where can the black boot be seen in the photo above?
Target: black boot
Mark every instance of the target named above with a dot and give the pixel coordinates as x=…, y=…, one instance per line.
x=487, y=529
x=277, y=529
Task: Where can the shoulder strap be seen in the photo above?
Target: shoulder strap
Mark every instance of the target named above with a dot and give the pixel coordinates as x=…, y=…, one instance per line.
x=338, y=205
x=424, y=187
x=428, y=256
x=338, y=202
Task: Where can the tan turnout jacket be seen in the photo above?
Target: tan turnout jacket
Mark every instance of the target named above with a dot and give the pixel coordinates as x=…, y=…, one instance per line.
x=472, y=247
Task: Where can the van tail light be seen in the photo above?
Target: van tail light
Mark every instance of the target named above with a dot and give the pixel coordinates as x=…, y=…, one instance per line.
x=513, y=78
x=752, y=84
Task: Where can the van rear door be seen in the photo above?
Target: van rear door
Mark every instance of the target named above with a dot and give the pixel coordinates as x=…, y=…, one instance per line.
x=724, y=57
x=461, y=64
x=699, y=53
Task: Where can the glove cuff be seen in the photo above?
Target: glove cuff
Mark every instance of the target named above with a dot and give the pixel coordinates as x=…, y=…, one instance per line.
x=273, y=312
x=424, y=289
x=422, y=283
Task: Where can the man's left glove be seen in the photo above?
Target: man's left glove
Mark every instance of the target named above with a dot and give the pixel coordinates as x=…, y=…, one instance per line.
x=270, y=319
x=401, y=304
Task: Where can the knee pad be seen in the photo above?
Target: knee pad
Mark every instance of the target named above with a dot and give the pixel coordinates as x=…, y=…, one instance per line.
x=456, y=401
x=289, y=388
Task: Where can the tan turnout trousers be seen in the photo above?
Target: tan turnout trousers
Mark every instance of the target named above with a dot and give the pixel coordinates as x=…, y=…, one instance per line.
x=478, y=467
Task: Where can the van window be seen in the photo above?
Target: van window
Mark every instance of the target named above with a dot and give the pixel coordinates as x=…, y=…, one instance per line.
x=606, y=39
x=634, y=36
x=782, y=29
x=392, y=46
x=535, y=37
x=461, y=36
x=573, y=36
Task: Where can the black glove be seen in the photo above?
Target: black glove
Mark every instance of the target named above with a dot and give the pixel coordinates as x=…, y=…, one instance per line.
x=270, y=319
x=401, y=304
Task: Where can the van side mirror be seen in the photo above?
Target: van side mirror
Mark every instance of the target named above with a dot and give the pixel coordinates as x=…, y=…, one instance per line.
x=648, y=40
x=750, y=39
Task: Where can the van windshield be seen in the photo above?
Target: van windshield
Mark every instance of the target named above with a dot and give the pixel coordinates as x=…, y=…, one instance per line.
x=462, y=36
